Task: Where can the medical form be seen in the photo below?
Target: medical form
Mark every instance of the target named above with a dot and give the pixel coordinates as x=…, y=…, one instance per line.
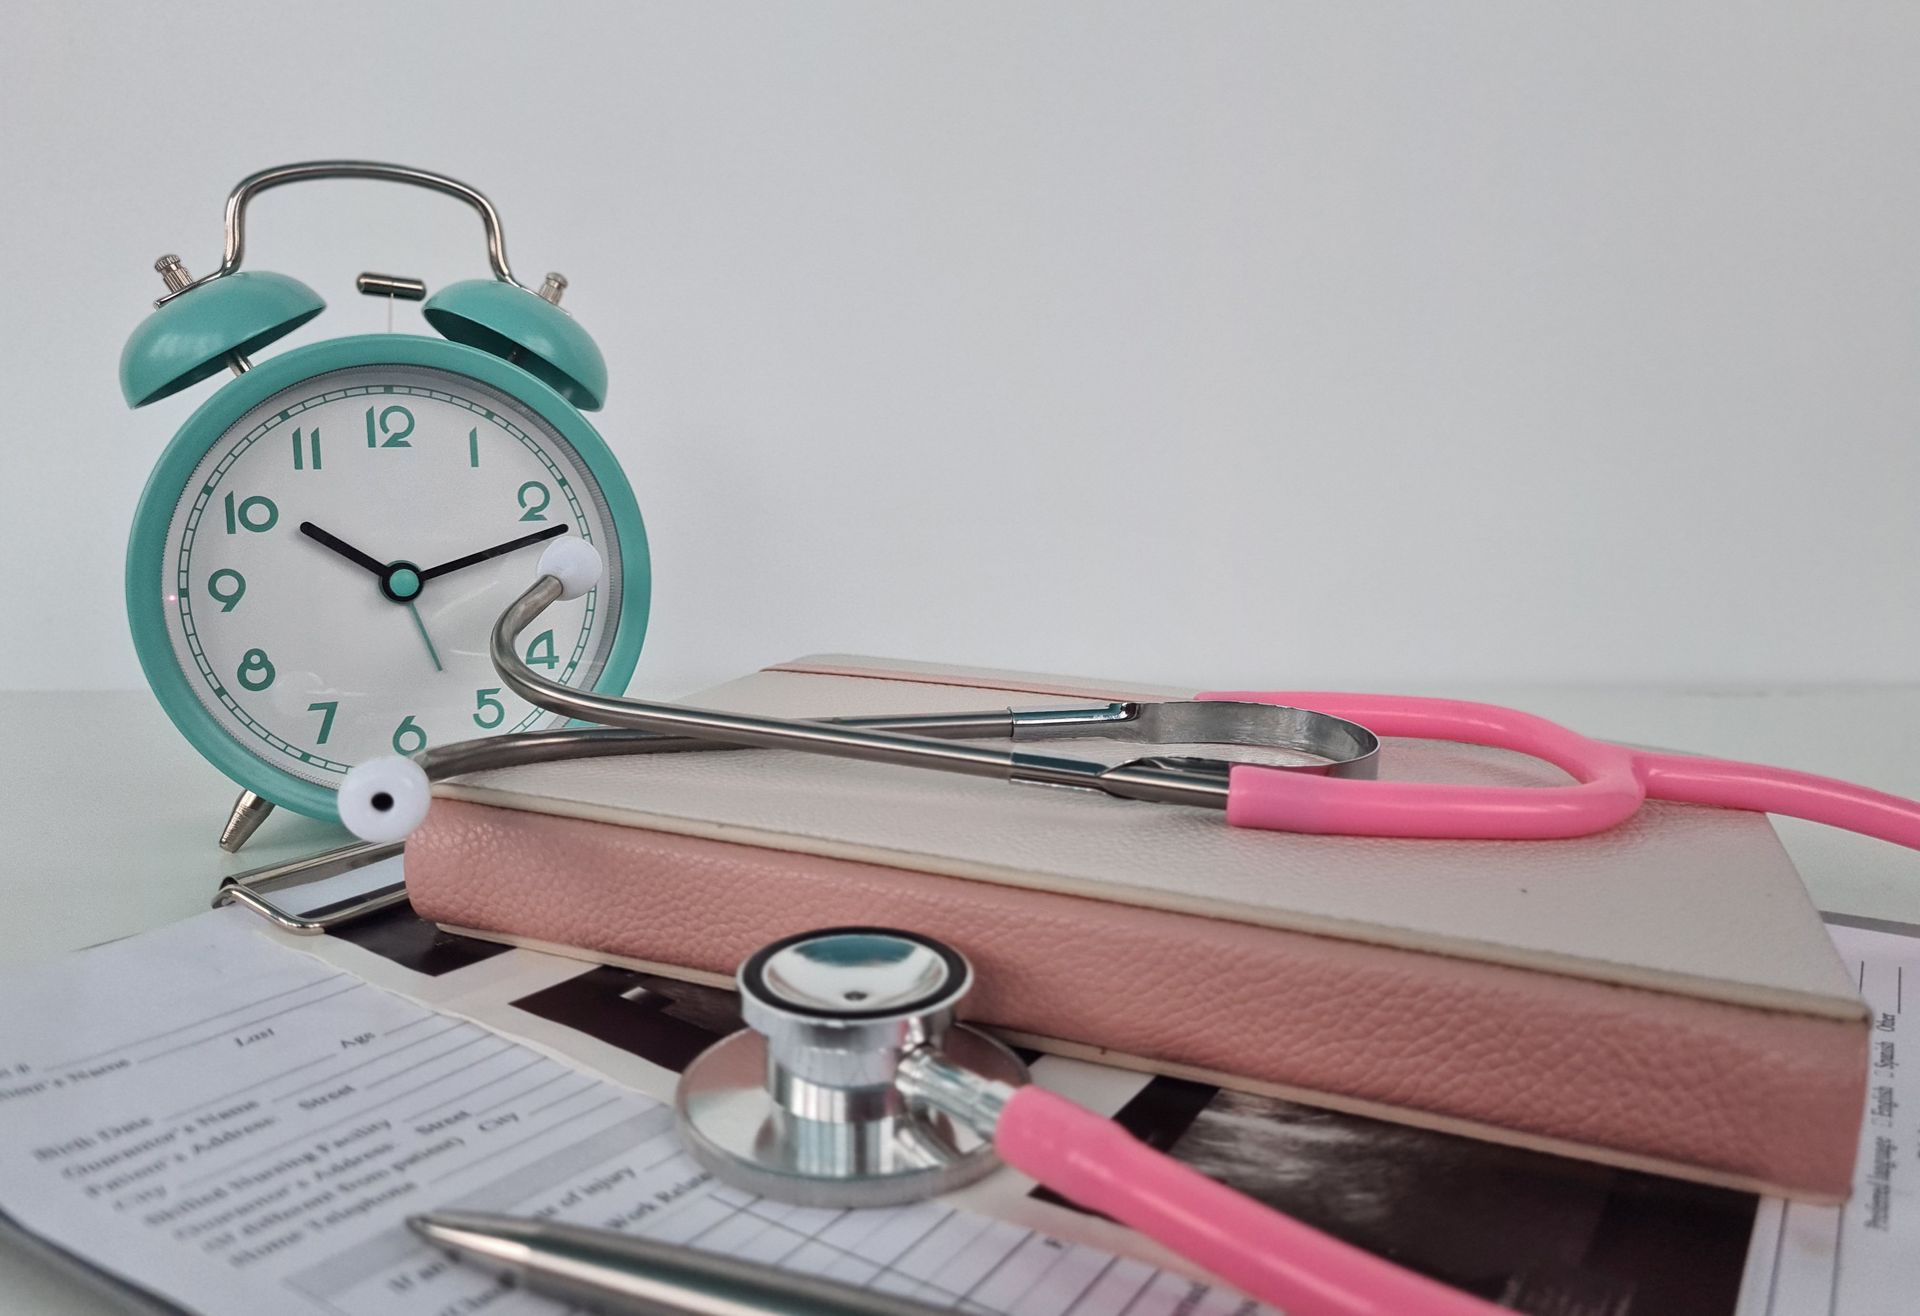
x=239, y=1126
x=1860, y=1257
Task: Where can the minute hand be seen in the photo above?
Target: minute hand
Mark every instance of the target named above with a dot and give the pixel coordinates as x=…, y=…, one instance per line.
x=470, y=559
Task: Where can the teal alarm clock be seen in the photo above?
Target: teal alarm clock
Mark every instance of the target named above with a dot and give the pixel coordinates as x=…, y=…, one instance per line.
x=318, y=559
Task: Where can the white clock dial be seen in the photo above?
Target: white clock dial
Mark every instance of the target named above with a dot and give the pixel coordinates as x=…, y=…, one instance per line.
x=338, y=560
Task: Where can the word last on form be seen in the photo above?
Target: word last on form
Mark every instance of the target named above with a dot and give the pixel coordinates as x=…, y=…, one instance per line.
x=240, y=1127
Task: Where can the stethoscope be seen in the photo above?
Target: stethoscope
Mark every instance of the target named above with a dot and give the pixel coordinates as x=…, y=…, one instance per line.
x=1333, y=792
x=852, y=1084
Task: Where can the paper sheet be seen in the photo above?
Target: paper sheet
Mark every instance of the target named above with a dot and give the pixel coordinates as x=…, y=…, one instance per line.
x=1536, y=1232
x=1865, y=1257
x=207, y=1028
x=1861, y=1259
x=243, y=1128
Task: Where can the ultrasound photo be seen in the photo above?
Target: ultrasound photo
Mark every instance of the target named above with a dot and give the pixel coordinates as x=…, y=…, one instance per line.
x=1546, y=1235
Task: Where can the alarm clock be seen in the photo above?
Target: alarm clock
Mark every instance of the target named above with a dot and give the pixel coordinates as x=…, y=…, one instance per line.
x=319, y=557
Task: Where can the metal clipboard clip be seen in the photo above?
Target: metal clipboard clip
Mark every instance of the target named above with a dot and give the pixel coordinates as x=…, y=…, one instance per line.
x=250, y=888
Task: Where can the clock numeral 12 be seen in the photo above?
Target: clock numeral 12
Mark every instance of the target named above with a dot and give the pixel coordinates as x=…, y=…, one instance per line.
x=473, y=447
x=394, y=437
x=312, y=446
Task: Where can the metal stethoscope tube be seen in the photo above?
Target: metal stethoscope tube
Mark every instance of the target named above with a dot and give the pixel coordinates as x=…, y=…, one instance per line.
x=1610, y=782
x=386, y=799
x=841, y=739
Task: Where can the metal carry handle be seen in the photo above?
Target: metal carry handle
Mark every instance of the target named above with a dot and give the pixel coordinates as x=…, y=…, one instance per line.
x=280, y=175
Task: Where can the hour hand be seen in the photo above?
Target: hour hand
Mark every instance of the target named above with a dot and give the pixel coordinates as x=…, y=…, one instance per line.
x=344, y=549
x=496, y=551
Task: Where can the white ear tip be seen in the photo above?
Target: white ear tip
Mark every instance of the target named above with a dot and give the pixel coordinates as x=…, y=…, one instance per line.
x=574, y=563
x=384, y=799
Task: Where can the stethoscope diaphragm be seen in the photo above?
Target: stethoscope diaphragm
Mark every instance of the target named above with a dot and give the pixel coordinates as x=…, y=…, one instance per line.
x=805, y=1104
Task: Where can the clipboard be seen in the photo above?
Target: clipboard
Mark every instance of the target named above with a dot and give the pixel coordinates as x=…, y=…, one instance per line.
x=257, y=888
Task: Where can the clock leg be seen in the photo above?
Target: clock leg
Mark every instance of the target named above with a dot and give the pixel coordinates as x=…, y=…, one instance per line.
x=249, y=811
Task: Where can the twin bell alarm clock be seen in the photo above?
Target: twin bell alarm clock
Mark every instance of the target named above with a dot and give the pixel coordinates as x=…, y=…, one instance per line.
x=319, y=557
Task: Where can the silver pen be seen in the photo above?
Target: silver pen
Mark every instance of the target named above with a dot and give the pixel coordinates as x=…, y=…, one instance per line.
x=621, y=1275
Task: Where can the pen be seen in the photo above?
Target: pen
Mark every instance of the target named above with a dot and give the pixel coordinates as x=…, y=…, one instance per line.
x=621, y=1275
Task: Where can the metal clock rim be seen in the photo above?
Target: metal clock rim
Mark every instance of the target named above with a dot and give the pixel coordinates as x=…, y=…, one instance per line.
x=153, y=517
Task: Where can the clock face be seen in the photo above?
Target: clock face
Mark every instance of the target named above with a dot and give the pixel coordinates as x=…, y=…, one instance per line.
x=337, y=560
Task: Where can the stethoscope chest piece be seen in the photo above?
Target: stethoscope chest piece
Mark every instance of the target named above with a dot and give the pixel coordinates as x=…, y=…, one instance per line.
x=803, y=1105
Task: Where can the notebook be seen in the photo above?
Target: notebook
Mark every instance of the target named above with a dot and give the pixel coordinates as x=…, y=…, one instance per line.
x=1661, y=996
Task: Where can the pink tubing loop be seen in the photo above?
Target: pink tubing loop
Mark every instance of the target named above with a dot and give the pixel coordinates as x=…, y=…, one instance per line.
x=1607, y=789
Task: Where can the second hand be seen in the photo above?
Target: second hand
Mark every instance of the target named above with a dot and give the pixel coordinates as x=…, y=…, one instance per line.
x=402, y=581
x=421, y=626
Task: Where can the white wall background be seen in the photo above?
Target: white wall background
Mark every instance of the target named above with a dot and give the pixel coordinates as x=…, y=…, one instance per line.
x=1292, y=344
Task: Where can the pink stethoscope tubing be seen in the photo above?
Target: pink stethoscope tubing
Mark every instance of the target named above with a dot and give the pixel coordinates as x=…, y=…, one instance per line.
x=1267, y=1254
x=1259, y=1251
x=1610, y=781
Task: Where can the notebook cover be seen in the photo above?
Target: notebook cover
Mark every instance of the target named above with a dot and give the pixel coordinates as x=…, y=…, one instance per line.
x=1660, y=996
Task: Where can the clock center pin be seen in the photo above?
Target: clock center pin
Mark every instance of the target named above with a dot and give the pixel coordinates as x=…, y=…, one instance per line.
x=402, y=582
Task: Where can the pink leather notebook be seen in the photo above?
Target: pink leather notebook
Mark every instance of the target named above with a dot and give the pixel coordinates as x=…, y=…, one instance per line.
x=1661, y=996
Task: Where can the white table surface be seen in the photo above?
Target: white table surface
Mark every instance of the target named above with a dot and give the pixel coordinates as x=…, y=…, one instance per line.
x=110, y=820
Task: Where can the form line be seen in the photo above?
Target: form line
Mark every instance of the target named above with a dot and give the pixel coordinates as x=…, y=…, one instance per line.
x=1147, y=1281
x=371, y=1060
x=155, y=1037
x=483, y=1036
x=994, y=1269
x=651, y=1166
x=457, y=1069
x=1091, y=1285
x=231, y=1093
x=425, y=1018
x=1839, y=1238
x=1779, y=1248
x=448, y=1101
x=545, y=1082
x=893, y=1267
x=229, y=1029
x=732, y=1215
x=305, y=1134
x=538, y=1133
x=592, y=1083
